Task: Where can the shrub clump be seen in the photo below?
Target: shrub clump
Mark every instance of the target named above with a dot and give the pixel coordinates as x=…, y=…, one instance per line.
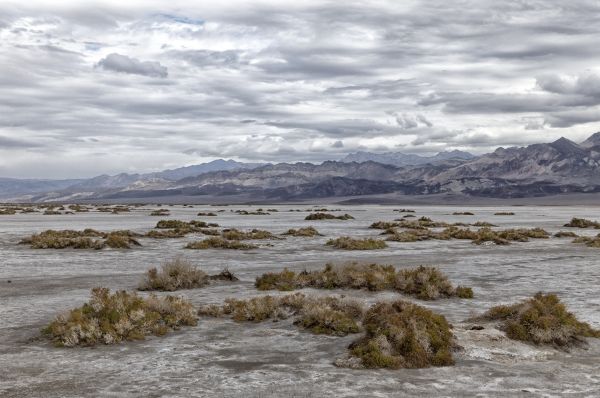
x=565, y=234
x=463, y=213
x=328, y=216
x=542, y=319
x=403, y=335
x=216, y=242
x=588, y=241
x=348, y=243
x=319, y=315
x=52, y=239
x=206, y=214
x=235, y=234
x=426, y=283
x=582, y=223
x=504, y=213
x=192, y=226
x=307, y=231
x=160, y=212
x=174, y=275
x=112, y=318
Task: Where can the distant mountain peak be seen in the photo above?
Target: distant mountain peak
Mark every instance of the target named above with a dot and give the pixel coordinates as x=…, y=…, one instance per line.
x=591, y=141
x=404, y=159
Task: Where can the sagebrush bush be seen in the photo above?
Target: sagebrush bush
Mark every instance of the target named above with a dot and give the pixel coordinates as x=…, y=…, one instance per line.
x=86, y=239
x=327, y=216
x=174, y=275
x=426, y=283
x=320, y=315
x=582, y=223
x=216, y=242
x=236, y=234
x=160, y=212
x=542, y=319
x=112, y=318
x=301, y=232
x=348, y=243
x=403, y=335
x=588, y=241
x=565, y=234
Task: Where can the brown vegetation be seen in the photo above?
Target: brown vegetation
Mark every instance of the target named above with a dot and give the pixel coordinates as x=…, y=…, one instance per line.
x=348, y=243
x=219, y=243
x=403, y=335
x=426, y=283
x=542, y=319
x=306, y=231
x=320, y=315
x=327, y=216
x=113, y=318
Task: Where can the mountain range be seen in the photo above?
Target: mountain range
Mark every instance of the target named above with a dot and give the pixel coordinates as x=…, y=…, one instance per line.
x=559, y=167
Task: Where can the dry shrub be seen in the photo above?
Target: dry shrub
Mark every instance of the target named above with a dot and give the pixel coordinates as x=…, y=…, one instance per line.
x=327, y=216
x=303, y=232
x=463, y=213
x=320, y=315
x=219, y=243
x=235, y=234
x=52, y=239
x=113, y=318
x=588, y=241
x=348, y=243
x=565, y=234
x=174, y=275
x=206, y=214
x=403, y=335
x=542, y=319
x=160, y=212
x=504, y=213
x=582, y=223
x=426, y=283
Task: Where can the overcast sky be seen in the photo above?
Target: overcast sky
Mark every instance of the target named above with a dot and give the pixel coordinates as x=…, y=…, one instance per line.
x=103, y=87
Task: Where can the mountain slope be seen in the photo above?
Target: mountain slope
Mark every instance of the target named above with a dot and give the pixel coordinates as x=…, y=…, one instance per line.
x=402, y=159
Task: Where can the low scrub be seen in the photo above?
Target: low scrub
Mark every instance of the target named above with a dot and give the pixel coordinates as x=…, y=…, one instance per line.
x=252, y=213
x=404, y=210
x=206, y=214
x=327, y=216
x=112, y=318
x=582, y=223
x=421, y=223
x=236, y=234
x=303, y=232
x=174, y=275
x=403, y=335
x=193, y=225
x=348, y=243
x=542, y=319
x=565, y=234
x=589, y=241
x=160, y=212
x=463, y=213
x=7, y=211
x=426, y=283
x=319, y=315
x=504, y=213
x=483, y=224
x=219, y=243
x=86, y=239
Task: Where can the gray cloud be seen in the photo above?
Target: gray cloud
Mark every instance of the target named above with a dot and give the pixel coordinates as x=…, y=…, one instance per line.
x=266, y=81
x=122, y=63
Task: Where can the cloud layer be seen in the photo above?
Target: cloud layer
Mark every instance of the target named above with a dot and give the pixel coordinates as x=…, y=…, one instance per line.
x=107, y=86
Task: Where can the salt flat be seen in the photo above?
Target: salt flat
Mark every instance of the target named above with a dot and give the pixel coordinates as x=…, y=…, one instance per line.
x=225, y=359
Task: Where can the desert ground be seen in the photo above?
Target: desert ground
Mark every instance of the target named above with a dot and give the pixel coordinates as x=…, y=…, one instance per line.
x=223, y=358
